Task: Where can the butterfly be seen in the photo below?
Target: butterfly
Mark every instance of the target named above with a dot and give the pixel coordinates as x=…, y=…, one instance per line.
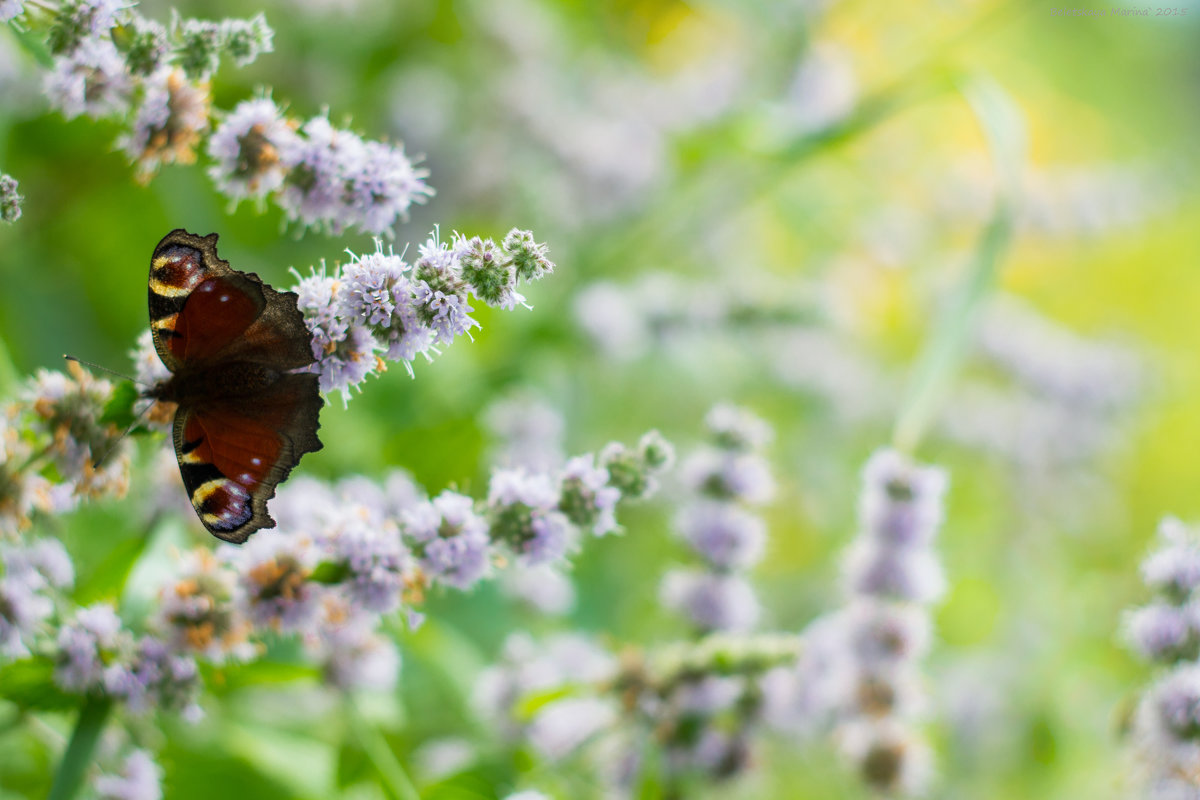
x=245, y=414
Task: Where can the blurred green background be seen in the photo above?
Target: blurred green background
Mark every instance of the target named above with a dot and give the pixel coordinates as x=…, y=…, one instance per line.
x=686, y=138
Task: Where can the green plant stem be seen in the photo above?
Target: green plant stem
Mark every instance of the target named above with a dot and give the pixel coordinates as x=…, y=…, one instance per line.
x=939, y=362
x=78, y=756
x=396, y=782
x=1003, y=126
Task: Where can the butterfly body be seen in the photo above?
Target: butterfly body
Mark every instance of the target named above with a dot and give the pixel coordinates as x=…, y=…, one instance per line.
x=245, y=414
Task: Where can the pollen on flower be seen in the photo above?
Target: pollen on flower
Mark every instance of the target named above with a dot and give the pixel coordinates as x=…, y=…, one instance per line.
x=169, y=123
x=246, y=146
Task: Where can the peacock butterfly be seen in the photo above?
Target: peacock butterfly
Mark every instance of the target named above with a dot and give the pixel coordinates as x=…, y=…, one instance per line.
x=245, y=414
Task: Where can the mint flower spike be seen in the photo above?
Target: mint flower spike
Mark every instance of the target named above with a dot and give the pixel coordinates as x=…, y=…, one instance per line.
x=77, y=21
x=1166, y=632
x=247, y=39
x=111, y=62
x=892, y=576
x=727, y=478
x=148, y=48
x=10, y=200
x=378, y=308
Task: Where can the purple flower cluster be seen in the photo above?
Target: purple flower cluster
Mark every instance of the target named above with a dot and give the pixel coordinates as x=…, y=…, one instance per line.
x=726, y=479
x=697, y=702
x=380, y=308
x=96, y=654
x=859, y=671
x=111, y=62
x=349, y=554
x=319, y=175
x=1166, y=631
x=53, y=465
x=10, y=200
x=139, y=778
x=32, y=574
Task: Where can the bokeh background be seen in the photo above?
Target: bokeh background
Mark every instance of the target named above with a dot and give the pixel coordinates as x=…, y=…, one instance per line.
x=763, y=202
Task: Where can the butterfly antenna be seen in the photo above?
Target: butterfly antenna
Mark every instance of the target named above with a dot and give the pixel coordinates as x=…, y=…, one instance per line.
x=94, y=365
x=113, y=446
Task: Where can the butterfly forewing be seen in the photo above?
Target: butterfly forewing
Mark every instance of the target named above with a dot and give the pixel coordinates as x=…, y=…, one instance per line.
x=244, y=420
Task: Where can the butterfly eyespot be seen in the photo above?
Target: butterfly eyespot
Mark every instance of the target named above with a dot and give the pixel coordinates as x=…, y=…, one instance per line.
x=255, y=461
x=224, y=298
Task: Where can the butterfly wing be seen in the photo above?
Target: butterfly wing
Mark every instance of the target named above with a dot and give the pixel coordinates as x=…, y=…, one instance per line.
x=235, y=438
x=202, y=310
x=233, y=455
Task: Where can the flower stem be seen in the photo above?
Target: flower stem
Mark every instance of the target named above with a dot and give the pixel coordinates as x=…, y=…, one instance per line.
x=78, y=756
x=1004, y=128
x=396, y=783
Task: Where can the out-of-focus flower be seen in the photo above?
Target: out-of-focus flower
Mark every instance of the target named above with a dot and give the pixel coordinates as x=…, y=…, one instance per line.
x=543, y=587
x=76, y=22
x=169, y=123
x=197, y=613
x=561, y=727
x=353, y=655
x=523, y=514
x=371, y=553
x=528, y=429
x=712, y=601
x=140, y=778
x=246, y=147
x=11, y=9
x=725, y=479
x=90, y=80
x=724, y=535
x=892, y=575
x=585, y=496
x=890, y=757
x=31, y=573
x=10, y=200
x=69, y=410
x=87, y=644
x=449, y=538
x=274, y=589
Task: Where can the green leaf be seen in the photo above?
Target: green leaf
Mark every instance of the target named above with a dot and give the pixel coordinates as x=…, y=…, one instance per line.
x=8, y=372
x=119, y=409
x=353, y=766
x=232, y=677
x=534, y=702
x=330, y=572
x=107, y=580
x=34, y=44
x=29, y=684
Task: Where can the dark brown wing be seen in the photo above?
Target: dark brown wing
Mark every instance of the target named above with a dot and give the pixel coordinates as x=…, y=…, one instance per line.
x=233, y=455
x=202, y=310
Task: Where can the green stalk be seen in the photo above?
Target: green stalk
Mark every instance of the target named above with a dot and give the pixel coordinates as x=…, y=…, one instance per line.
x=944, y=351
x=78, y=756
x=396, y=782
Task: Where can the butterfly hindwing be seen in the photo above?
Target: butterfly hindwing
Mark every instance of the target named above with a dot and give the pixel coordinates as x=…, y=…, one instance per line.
x=232, y=456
